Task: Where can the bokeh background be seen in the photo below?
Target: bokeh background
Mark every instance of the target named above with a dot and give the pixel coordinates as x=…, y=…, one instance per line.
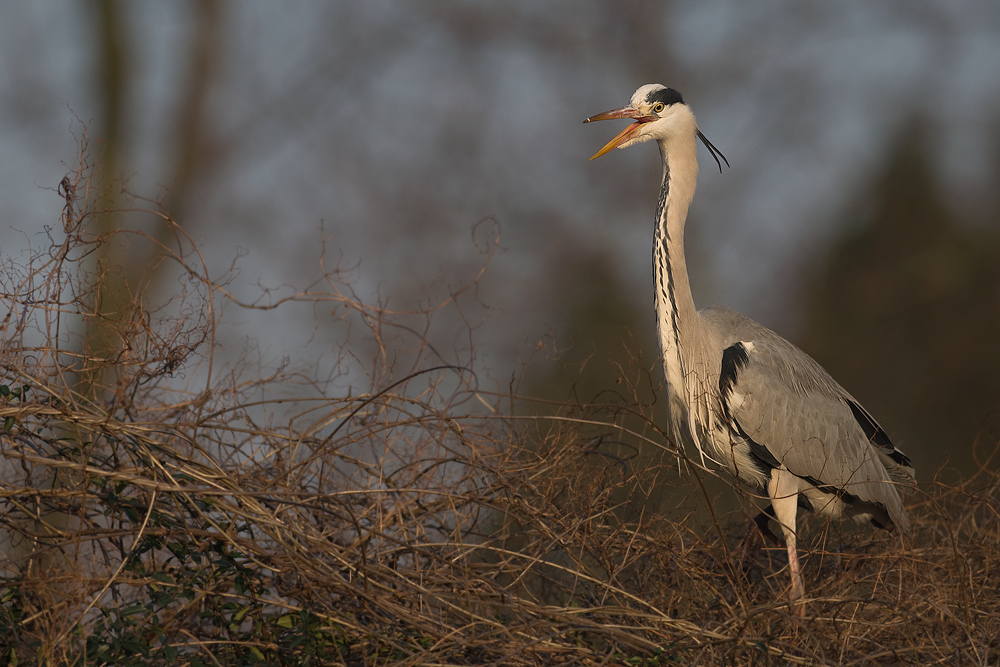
x=859, y=219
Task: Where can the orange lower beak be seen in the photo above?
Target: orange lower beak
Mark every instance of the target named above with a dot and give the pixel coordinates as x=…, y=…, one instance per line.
x=626, y=134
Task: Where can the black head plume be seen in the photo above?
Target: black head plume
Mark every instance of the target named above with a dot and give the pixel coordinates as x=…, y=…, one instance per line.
x=716, y=153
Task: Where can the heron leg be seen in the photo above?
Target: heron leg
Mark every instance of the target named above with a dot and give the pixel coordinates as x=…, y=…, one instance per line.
x=751, y=543
x=761, y=523
x=783, y=488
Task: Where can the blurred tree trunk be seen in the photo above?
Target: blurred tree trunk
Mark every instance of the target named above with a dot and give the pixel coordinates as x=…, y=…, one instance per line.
x=192, y=140
x=111, y=296
x=126, y=269
x=905, y=313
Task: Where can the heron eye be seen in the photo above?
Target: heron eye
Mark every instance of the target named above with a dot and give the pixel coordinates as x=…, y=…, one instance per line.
x=659, y=107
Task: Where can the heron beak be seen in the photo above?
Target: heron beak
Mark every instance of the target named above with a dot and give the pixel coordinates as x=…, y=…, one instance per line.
x=626, y=134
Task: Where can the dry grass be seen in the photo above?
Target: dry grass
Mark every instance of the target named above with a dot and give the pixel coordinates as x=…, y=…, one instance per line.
x=153, y=510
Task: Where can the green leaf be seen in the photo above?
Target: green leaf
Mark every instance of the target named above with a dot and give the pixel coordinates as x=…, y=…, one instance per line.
x=241, y=613
x=286, y=621
x=136, y=646
x=179, y=549
x=131, y=610
x=8, y=424
x=4, y=391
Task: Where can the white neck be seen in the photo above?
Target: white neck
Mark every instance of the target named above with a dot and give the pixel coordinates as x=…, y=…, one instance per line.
x=675, y=309
x=684, y=339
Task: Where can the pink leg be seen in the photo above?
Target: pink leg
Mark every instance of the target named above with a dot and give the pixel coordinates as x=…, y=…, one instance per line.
x=798, y=588
x=783, y=490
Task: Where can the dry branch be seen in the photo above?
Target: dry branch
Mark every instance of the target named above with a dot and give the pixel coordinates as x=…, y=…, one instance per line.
x=426, y=520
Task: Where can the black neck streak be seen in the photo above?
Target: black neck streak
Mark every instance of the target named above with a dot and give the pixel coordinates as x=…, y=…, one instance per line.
x=662, y=269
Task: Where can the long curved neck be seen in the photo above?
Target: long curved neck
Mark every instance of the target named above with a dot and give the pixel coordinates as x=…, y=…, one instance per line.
x=677, y=318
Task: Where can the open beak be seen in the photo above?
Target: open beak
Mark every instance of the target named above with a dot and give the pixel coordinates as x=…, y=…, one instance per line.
x=626, y=134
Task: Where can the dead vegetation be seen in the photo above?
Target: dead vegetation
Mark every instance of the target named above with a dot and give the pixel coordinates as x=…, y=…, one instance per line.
x=155, y=510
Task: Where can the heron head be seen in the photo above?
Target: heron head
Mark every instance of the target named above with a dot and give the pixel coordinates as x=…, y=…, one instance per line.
x=659, y=113
x=652, y=107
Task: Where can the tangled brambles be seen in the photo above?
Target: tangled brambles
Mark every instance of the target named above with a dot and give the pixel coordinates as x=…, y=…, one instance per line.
x=156, y=510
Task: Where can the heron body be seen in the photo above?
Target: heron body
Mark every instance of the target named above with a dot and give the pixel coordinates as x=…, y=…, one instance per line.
x=742, y=395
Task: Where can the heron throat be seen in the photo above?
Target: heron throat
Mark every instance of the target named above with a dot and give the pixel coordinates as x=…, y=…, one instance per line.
x=681, y=331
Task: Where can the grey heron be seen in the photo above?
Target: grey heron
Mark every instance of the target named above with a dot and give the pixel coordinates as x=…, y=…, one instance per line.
x=742, y=395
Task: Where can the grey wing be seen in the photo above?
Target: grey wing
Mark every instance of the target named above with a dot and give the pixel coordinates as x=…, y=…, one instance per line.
x=793, y=414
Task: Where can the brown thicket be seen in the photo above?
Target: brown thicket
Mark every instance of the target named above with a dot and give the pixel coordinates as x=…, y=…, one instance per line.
x=156, y=510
